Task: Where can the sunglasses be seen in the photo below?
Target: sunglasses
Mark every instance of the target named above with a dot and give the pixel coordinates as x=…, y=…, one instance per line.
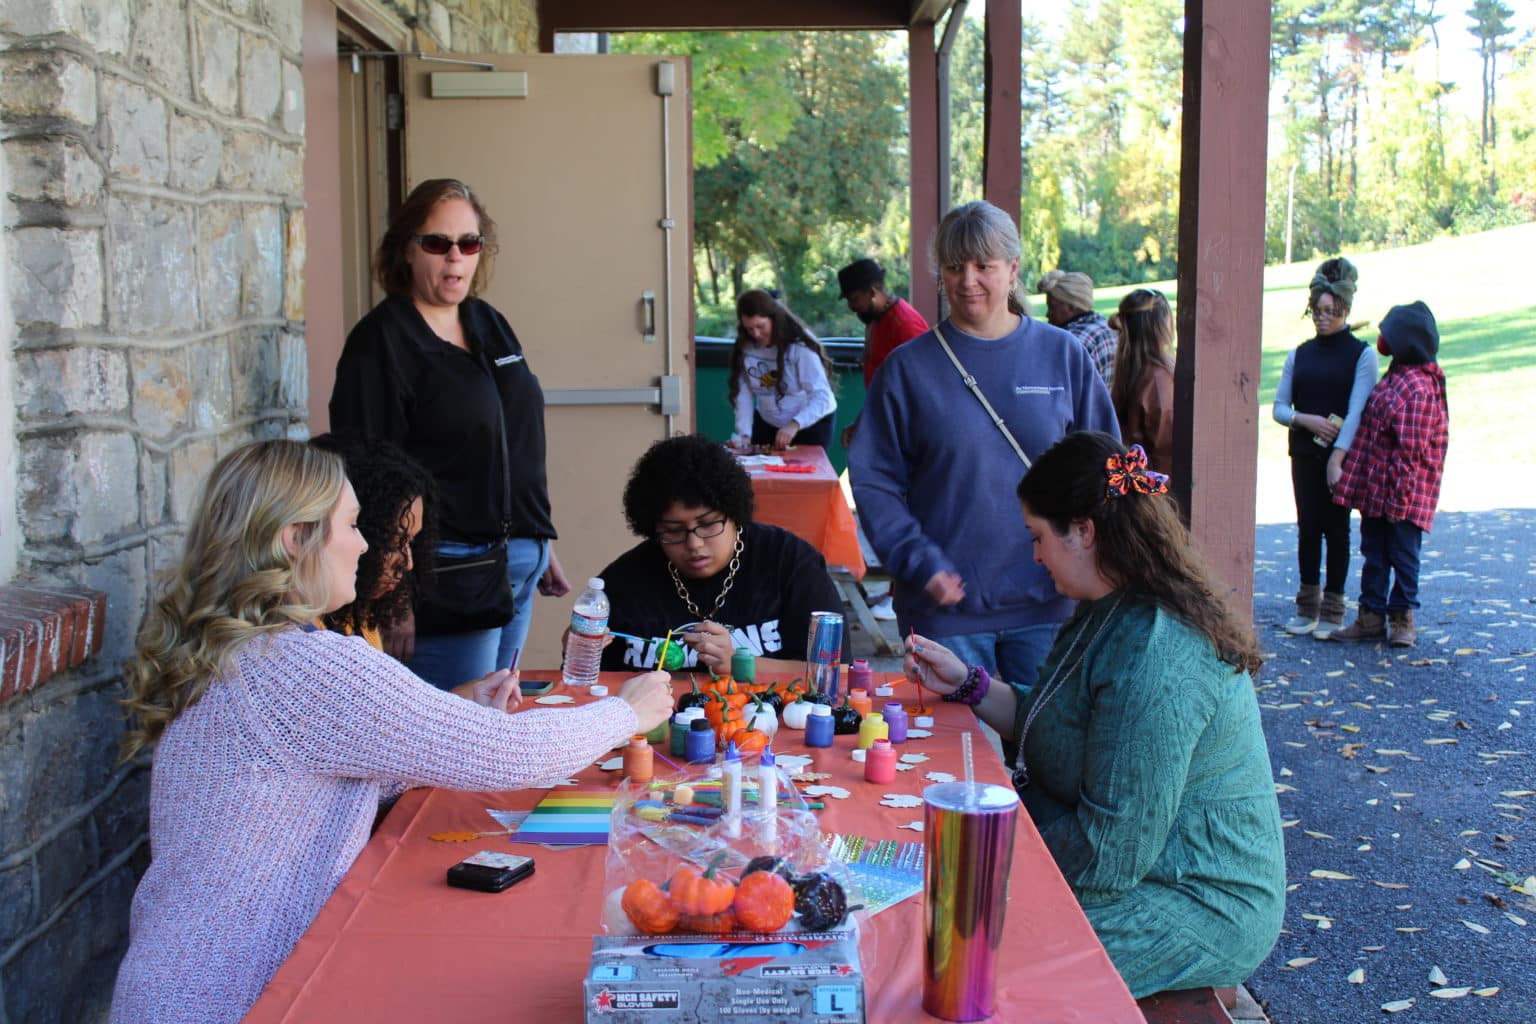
x=438, y=245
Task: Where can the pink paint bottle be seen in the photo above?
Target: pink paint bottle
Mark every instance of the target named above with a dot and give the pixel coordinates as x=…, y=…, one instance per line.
x=880, y=762
x=859, y=676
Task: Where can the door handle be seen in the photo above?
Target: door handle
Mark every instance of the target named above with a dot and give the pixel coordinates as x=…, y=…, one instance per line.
x=648, y=316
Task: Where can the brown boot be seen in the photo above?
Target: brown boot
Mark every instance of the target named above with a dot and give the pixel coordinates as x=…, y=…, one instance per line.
x=1330, y=615
x=1400, y=629
x=1368, y=625
x=1308, y=600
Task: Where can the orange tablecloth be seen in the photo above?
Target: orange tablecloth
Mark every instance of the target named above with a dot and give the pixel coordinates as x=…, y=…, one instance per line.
x=395, y=943
x=811, y=506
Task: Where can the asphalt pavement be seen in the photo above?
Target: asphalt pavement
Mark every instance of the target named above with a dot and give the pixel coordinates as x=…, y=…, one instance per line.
x=1407, y=781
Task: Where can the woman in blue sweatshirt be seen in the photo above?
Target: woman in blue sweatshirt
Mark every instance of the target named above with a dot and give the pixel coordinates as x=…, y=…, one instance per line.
x=933, y=474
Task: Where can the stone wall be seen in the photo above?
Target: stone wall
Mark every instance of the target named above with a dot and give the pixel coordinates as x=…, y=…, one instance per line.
x=153, y=231
x=151, y=319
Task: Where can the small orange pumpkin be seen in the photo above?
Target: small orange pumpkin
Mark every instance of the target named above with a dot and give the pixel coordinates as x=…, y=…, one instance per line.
x=701, y=893
x=648, y=908
x=764, y=902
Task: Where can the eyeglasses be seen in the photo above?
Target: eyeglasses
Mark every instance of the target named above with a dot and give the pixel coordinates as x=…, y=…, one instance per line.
x=438, y=245
x=679, y=534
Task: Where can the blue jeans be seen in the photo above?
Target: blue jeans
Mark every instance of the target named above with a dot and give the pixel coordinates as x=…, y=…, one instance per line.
x=448, y=659
x=1391, y=551
x=1014, y=654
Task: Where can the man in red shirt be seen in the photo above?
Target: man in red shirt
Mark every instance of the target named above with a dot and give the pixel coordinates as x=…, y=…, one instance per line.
x=888, y=321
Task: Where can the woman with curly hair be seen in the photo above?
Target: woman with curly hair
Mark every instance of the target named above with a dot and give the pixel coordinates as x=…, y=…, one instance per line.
x=398, y=519
x=1143, y=379
x=704, y=566
x=274, y=741
x=1140, y=754
x=779, y=381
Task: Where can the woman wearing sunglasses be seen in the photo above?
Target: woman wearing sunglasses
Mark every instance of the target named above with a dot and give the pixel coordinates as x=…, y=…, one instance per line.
x=704, y=569
x=440, y=373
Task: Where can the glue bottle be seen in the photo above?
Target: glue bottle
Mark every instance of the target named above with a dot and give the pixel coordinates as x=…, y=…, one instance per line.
x=730, y=790
x=880, y=762
x=768, y=798
x=819, y=727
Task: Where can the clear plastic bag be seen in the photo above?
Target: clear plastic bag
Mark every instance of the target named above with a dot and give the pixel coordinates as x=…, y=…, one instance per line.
x=674, y=851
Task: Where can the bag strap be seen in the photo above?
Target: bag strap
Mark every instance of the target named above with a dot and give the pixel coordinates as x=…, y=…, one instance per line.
x=970, y=382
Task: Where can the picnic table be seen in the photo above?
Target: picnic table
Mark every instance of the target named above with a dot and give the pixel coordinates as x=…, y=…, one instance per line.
x=805, y=497
x=395, y=942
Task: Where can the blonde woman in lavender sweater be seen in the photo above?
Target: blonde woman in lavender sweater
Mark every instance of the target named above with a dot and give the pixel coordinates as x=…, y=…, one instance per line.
x=275, y=742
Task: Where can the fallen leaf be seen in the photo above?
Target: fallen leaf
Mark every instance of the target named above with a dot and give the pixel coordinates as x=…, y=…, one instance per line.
x=1461, y=865
x=1392, y=753
x=1375, y=770
x=1317, y=835
x=1337, y=876
x=1475, y=926
x=1397, y=1005
x=1350, y=728
x=1408, y=931
x=1440, y=741
x=1515, y=794
x=1390, y=885
x=1437, y=977
x=1357, y=976
x=1450, y=993
x=1290, y=824
x=1300, y=961
x=1281, y=787
x=1517, y=919
x=1486, y=993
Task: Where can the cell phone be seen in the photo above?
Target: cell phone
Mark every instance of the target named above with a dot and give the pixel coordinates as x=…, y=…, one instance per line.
x=490, y=871
x=535, y=687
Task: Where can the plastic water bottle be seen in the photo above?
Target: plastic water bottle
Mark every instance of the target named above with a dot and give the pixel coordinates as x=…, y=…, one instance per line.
x=584, y=643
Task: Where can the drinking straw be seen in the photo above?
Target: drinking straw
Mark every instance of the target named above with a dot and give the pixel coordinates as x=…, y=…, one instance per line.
x=626, y=636
x=970, y=770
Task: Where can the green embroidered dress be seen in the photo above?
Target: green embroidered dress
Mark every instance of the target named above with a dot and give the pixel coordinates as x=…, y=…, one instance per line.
x=1150, y=783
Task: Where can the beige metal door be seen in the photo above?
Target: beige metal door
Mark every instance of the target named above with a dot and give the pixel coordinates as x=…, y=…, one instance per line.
x=582, y=176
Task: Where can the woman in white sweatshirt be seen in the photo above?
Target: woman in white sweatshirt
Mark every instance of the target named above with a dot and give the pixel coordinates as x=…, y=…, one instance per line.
x=779, y=383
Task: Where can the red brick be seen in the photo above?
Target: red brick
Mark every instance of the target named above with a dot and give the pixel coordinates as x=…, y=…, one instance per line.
x=45, y=630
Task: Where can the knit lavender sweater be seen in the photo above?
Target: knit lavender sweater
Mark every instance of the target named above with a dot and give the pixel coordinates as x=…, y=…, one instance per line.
x=263, y=792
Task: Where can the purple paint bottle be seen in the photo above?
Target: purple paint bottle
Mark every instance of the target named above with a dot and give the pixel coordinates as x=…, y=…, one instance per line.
x=896, y=721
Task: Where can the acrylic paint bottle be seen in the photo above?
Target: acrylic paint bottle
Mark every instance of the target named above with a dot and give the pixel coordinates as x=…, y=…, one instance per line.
x=872, y=728
x=639, y=761
x=819, y=727
x=880, y=762
x=895, y=721
x=701, y=742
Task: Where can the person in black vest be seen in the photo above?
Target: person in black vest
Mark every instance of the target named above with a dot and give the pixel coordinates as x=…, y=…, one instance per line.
x=705, y=570
x=1321, y=395
x=439, y=372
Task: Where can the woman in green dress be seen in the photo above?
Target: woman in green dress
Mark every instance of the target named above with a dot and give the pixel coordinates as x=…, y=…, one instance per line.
x=1139, y=755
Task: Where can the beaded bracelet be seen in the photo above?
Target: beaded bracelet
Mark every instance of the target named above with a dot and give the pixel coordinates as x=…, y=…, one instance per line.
x=973, y=690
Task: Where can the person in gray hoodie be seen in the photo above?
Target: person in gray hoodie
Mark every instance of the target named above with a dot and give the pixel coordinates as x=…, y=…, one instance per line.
x=933, y=472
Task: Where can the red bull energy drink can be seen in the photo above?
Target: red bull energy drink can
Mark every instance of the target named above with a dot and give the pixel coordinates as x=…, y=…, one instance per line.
x=824, y=653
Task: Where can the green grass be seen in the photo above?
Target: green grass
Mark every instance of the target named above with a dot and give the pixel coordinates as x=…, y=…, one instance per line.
x=1479, y=287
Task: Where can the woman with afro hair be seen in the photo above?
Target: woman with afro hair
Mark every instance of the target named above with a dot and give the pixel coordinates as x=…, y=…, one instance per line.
x=398, y=519
x=704, y=570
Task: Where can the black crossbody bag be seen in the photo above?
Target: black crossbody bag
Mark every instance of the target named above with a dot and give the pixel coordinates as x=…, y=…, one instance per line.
x=472, y=593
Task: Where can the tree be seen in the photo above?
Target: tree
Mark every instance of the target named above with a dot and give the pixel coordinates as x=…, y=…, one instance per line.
x=1490, y=24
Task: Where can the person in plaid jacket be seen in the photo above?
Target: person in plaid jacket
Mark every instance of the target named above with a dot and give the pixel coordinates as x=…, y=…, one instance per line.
x=1392, y=473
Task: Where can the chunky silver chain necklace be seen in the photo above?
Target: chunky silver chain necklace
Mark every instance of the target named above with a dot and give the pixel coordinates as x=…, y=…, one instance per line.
x=1058, y=678
x=730, y=579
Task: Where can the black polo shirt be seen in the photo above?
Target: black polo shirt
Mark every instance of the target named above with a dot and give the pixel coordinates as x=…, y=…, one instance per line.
x=398, y=380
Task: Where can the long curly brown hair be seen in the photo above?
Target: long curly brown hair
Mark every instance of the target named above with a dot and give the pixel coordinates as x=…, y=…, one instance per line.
x=1141, y=546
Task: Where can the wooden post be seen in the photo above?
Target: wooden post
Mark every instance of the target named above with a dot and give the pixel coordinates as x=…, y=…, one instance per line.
x=1002, y=165
x=922, y=84
x=1221, y=282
